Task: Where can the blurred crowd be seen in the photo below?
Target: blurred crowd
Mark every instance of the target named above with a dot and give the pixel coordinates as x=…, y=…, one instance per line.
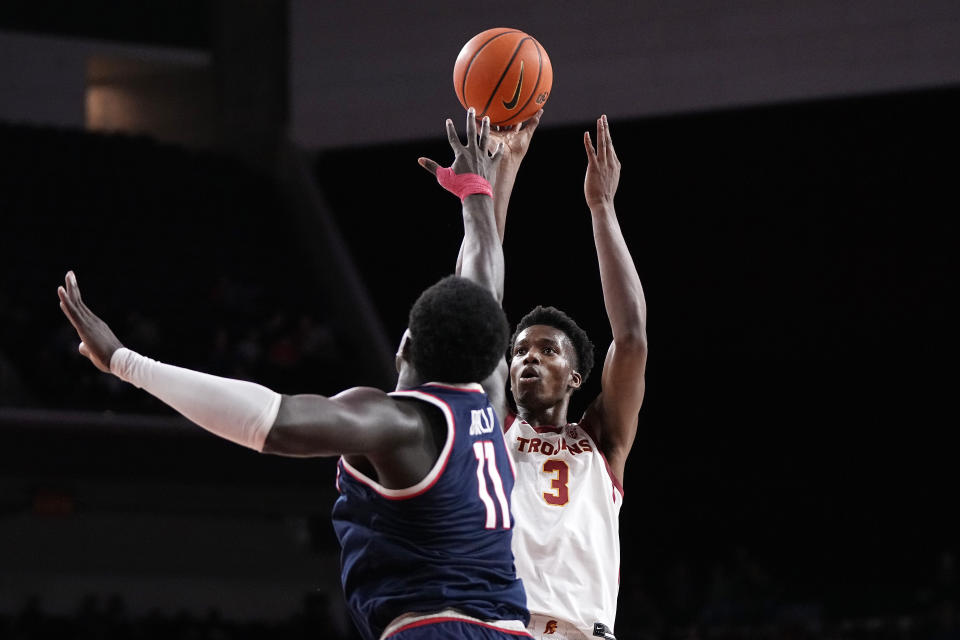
x=739, y=601
x=186, y=254
x=99, y=620
x=248, y=338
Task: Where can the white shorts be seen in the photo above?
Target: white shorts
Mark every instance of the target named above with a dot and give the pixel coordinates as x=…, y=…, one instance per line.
x=562, y=630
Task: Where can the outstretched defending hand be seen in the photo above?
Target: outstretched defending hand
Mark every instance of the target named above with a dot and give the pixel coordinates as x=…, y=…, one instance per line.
x=98, y=343
x=472, y=157
x=603, y=167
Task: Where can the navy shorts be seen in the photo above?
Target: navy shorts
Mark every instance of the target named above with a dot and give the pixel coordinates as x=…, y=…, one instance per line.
x=452, y=629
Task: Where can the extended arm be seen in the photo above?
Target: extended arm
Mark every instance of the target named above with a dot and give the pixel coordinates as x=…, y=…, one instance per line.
x=356, y=421
x=484, y=220
x=515, y=142
x=481, y=253
x=612, y=417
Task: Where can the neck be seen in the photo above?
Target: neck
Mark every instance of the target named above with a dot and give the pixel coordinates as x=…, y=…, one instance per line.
x=407, y=378
x=554, y=415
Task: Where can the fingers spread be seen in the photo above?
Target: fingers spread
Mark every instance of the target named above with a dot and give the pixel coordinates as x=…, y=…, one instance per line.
x=485, y=133
x=428, y=164
x=471, y=127
x=452, y=136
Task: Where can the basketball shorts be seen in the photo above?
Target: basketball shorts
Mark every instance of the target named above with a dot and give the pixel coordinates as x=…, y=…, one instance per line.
x=451, y=625
x=543, y=627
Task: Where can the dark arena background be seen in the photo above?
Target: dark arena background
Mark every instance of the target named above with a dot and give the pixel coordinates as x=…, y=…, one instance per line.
x=235, y=185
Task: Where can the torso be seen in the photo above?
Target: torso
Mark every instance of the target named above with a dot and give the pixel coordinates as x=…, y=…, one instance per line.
x=567, y=544
x=443, y=543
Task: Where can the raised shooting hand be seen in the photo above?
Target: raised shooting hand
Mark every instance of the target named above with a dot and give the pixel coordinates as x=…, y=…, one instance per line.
x=515, y=139
x=603, y=167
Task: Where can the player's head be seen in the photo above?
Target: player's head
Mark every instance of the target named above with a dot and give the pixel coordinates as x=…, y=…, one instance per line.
x=458, y=332
x=550, y=357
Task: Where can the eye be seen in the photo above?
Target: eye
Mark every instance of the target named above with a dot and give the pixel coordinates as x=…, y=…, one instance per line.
x=549, y=350
x=520, y=351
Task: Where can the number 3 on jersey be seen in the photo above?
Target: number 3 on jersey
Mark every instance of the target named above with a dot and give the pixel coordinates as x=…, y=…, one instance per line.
x=560, y=492
x=484, y=452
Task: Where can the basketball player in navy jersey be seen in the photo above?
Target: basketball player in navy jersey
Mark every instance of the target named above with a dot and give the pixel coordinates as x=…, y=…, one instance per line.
x=424, y=477
x=569, y=486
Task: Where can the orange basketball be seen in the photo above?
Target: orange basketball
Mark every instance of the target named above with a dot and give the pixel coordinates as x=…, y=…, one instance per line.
x=503, y=73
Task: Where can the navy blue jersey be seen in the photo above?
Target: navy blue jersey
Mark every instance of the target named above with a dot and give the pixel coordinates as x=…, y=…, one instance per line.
x=443, y=543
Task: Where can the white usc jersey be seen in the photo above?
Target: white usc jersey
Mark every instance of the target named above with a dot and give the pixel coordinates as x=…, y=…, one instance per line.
x=566, y=541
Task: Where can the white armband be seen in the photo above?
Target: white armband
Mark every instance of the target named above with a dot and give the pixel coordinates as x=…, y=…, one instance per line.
x=240, y=411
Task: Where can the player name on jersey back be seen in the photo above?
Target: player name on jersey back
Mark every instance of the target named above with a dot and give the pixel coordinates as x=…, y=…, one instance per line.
x=444, y=543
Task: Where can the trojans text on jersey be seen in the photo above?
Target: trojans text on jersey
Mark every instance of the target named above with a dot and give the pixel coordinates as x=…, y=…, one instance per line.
x=552, y=444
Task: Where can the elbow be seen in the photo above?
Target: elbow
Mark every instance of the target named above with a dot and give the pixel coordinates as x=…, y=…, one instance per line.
x=634, y=340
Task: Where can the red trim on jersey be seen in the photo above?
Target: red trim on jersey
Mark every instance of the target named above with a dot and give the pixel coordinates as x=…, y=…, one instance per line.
x=452, y=428
x=450, y=387
x=426, y=621
x=512, y=417
x=513, y=467
x=365, y=481
x=546, y=429
x=616, y=483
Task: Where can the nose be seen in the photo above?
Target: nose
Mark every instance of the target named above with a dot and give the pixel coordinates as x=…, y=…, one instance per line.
x=531, y=357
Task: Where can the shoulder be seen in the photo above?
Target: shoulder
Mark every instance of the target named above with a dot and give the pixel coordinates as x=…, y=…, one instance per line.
x=365, y=399
x=379, y=407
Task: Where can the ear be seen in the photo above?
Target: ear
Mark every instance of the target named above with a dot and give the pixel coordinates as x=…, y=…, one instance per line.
x=403, y=351
x=575, y=380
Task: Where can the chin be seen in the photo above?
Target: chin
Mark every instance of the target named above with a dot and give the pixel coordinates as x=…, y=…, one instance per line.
x=531, y=399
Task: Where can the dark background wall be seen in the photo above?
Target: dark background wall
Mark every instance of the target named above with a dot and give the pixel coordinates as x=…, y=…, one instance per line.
x=383, y=70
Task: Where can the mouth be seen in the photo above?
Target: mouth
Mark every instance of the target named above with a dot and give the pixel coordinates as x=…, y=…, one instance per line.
x=529, y=373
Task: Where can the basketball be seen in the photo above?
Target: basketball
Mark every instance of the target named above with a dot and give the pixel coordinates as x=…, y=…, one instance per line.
x=503, y=73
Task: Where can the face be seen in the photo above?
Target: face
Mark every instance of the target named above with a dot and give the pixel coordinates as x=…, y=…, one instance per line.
x=551, y=627
x=542, y=367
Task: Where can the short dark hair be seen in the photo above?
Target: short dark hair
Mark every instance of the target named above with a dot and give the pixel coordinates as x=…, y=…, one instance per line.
x=553, y=317
x=459, y=332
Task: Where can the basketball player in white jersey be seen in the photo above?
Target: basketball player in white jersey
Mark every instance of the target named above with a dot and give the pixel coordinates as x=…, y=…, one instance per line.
x=569, y=484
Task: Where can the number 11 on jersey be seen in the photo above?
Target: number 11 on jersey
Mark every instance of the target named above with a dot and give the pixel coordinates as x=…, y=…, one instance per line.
x=484, y=452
